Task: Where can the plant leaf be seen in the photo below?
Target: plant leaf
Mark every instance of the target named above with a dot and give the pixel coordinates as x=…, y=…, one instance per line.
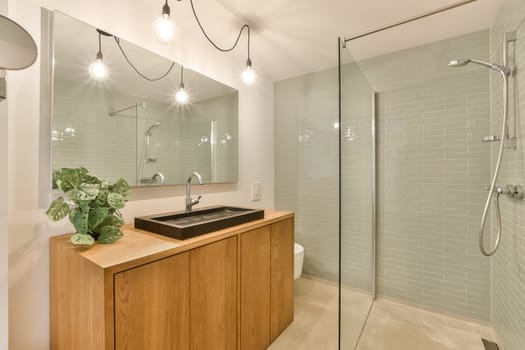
x=57, y=210
x=122, y=187
x=110, y=220
x=80, y=219
x=69, y=178
x=110, y=234
x=116, y=200
x=96, y=216
x=102, y=199
x=77, y=195
x=91, y=190
x=82, y=239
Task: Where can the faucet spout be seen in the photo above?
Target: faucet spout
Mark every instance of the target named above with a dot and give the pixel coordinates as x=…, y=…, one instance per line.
x=191, y=201
x=159, y=176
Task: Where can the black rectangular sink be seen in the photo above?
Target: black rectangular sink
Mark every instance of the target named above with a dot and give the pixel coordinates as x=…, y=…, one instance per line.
x=183, y=225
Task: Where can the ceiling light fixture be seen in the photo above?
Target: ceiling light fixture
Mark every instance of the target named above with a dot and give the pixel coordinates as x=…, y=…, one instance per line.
x=182, y=96
x=248, y=76
x=98, y=70
x=163, y=26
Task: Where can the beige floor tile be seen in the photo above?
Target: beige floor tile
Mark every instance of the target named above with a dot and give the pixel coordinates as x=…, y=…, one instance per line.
x=392, y=326
x=315, y=324
x=389, y=326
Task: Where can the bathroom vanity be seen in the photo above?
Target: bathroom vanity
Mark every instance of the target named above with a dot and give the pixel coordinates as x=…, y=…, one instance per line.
x=228, y=289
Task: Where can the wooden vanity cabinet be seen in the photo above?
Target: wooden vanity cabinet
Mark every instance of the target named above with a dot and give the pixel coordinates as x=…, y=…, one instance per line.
x=230, y=290
x=152, y=305
x=255, y=289
x=213, y=296
x=267, y=284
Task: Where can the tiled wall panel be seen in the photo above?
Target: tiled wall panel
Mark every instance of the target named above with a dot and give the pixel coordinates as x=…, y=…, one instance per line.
x=432, y=169
x=508, y=264
x=306, y=169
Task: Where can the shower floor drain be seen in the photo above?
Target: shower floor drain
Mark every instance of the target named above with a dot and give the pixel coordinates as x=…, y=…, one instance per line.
x=490, y=345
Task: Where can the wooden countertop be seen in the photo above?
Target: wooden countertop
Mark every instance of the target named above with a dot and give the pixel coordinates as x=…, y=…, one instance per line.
x=139, y=247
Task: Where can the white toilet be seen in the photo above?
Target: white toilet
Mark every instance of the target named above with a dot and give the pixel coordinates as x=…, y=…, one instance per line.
x=299, y=258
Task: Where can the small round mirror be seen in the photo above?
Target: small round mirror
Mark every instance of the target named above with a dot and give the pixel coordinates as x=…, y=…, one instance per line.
x=17, y=48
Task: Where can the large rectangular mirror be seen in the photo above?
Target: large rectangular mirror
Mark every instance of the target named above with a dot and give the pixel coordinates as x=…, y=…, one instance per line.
x=126, y=126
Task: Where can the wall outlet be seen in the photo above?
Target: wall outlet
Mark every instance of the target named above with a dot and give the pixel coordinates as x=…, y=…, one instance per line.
x=256, y=192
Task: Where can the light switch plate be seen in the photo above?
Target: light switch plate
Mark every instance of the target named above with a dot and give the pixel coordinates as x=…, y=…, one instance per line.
x=256, y=191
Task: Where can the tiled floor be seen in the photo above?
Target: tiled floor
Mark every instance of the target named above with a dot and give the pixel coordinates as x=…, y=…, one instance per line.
x=316, y=317
x=315, y=320
x=390, y=326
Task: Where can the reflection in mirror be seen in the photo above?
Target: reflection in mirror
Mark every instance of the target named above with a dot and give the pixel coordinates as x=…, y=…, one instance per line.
x=127, y=127
x=18, y=48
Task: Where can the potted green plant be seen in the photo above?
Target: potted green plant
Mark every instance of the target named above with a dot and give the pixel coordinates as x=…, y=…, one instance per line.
x=92, y=205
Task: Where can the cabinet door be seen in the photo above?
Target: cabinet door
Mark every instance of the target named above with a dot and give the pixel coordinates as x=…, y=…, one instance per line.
x=152, y=305
x=255, y=289
x=282, y=281
x=213, y=301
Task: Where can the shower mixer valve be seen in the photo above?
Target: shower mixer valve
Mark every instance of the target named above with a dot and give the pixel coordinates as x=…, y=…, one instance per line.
x=513, y=191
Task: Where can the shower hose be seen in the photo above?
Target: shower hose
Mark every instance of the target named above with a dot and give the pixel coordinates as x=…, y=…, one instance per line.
x=492, y=188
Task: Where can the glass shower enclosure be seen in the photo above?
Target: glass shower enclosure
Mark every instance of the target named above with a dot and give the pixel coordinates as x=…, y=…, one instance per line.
x=357, y=199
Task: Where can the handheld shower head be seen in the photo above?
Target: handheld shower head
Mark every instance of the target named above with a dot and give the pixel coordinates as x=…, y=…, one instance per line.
x=458, y=63
x=150, y=130
x=464, y=61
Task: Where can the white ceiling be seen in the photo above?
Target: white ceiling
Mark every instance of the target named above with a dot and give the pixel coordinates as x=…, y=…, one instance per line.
x=294, y=37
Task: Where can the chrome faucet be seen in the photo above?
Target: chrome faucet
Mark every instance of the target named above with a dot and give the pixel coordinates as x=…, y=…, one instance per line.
x=191, y=201
x=160, y=176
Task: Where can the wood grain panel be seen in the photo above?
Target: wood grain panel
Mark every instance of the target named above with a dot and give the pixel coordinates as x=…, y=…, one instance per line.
x=255, y=289
x=77, y=288
x=213, y=301
x=139, y=247
x=282, y=281
x=152, y=305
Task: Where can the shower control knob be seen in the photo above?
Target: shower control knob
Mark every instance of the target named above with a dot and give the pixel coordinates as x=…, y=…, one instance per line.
x=516, y=191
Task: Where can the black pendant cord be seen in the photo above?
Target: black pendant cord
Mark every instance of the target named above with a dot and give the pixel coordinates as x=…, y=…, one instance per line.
x=244, y=26
x=182, y=77
x=99, y=45
x=117, y=40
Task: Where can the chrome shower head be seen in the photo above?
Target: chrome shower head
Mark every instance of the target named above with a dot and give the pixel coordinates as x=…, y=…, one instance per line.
x=459, y=63
x=150, y=130
x=464, y=61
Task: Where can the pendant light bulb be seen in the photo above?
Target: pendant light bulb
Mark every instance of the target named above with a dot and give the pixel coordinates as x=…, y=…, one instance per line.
x=182, y=96
x=98, y=70
x=249, y=76
x=163, y=26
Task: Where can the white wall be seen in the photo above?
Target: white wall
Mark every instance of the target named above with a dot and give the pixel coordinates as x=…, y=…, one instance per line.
x=3, y=215
x=29, y=230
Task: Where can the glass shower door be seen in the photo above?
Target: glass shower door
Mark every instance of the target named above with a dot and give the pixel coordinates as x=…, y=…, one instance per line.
x=357, y=196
